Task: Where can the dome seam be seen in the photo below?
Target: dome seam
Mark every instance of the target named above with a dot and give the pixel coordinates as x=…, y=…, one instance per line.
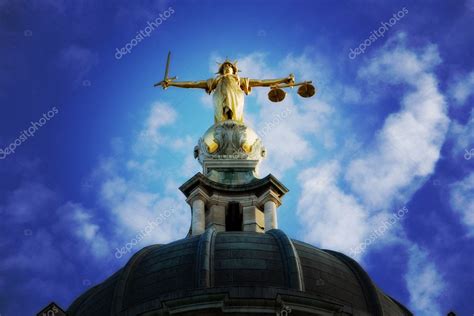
x=205, y=259
x=293, y=271
x=370, y=292
x=122, y=282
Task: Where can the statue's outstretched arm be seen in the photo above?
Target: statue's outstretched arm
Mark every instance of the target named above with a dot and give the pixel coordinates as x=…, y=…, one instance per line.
x=271, y=82
x=201, y=84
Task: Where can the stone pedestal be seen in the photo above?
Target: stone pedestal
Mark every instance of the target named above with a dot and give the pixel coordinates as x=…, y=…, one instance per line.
x=231, y=171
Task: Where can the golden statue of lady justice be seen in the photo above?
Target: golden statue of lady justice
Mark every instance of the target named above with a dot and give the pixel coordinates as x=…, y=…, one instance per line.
x=228, y=89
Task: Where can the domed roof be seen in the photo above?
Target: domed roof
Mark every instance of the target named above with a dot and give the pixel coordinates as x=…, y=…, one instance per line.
x=216, y=273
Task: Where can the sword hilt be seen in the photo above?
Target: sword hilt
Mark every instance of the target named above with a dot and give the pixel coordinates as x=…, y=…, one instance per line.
x=166, y=80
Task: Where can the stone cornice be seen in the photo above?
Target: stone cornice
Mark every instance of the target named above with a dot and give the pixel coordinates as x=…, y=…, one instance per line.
x=257, y=187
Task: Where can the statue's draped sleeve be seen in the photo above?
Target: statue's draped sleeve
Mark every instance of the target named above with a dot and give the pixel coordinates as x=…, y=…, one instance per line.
x=245, y=85
x=210, y=83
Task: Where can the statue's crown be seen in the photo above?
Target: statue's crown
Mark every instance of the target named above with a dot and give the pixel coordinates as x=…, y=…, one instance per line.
x=229, y=62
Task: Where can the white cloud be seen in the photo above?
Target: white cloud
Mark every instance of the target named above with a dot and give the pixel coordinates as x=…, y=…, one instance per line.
x=395, y=63
x=424, y=283
x=184, y=144
x=132, y=187
x=206, y=100
x=131, y=207
x=463, y=138
x=408, y=145
x=462, y=201
x=462, y=88
x=356, y=197
x=31, y=202
x=50, y=240
x=190, y=166
x=305, y=67
x=327, y=213
x=82, y=224
x=351, y=95
x=151, y=137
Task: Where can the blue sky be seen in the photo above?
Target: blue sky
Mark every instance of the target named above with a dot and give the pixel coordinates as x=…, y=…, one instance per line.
x=390, y=132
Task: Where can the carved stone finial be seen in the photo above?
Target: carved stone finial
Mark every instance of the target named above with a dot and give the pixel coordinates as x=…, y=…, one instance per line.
x=229, y=140
x=230, y=152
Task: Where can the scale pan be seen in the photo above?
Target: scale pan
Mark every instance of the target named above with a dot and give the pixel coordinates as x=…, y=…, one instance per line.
x=276, y=95
x=307, y=90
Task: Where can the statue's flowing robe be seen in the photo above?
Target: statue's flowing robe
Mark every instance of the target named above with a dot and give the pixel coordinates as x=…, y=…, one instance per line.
x=228, y=96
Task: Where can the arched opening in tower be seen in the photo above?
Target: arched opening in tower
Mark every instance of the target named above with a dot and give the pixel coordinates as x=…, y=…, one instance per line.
x=234, y=217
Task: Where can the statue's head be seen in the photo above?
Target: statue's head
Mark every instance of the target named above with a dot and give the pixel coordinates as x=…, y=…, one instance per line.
x=228, y=67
